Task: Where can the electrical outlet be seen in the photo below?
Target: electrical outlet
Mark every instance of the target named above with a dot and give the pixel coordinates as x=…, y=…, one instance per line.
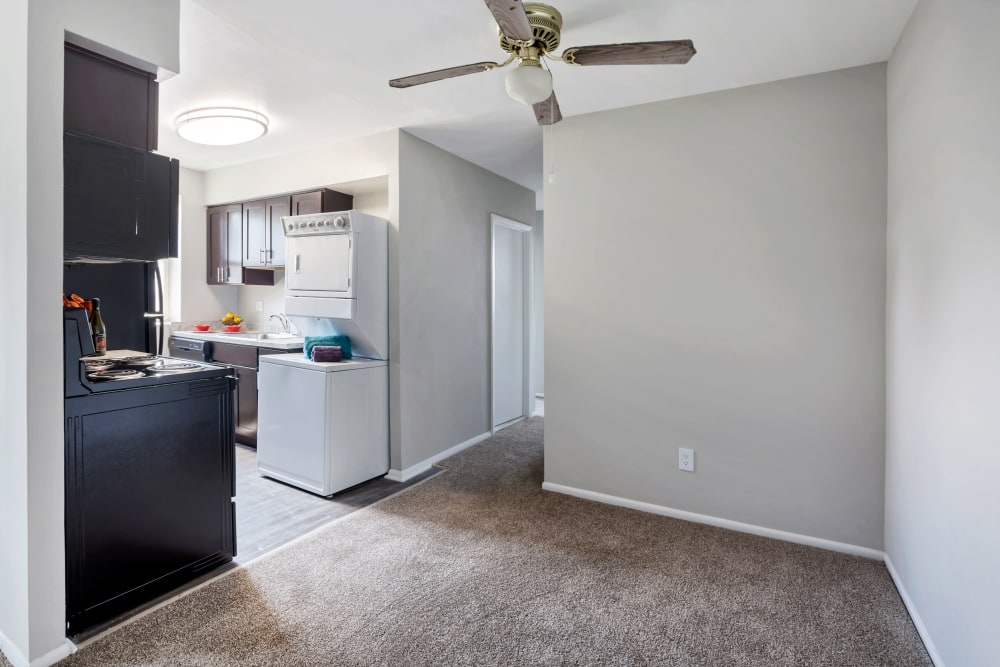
x=260, y=306
x=685, y=459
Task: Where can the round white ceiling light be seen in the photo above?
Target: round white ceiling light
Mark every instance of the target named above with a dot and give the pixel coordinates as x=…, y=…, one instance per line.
x=221, y=126
x=528, y=83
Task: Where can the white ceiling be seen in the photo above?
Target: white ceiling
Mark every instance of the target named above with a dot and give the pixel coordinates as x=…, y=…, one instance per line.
x=319, y=68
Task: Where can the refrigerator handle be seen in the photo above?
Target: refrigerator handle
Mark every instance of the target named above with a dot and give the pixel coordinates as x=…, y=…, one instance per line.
x=158, y=306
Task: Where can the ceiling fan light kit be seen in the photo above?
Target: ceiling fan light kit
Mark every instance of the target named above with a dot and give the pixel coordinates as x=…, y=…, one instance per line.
x=221, y=126
x=531, y=32
x=529, y=83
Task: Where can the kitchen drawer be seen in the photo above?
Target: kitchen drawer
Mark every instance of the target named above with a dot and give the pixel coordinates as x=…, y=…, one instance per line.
x=236, y=355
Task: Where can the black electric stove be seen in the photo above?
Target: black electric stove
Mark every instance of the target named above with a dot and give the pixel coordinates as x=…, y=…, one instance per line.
x=150, y=475
x=118, y=370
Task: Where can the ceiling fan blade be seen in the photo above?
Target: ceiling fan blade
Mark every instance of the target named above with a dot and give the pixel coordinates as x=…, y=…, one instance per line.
x=437, y=75
x=675, y=52
x=511, y=18
x=547, y=112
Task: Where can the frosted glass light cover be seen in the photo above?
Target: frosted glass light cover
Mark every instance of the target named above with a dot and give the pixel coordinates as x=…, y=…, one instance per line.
x=529, y=84
x=221, y=126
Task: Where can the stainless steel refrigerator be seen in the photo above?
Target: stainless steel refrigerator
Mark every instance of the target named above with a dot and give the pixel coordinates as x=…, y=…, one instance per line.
x=131, y=295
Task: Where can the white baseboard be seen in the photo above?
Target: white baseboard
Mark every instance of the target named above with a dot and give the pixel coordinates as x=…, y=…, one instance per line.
x=831, y=545
x=414, y=470
x=18, y=659
x=914, y=615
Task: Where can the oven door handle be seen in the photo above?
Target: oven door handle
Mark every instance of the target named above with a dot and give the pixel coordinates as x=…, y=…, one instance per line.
x=298, y=263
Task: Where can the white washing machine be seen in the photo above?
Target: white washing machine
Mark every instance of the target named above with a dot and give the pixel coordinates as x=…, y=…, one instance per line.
x=322, y=427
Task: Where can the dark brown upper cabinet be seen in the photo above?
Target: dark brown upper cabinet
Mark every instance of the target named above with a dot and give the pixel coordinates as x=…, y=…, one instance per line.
x=321, y=201
x=118, y=202
x=225, y=245
x=263, y=236
x=109, y=100
x=246, y=241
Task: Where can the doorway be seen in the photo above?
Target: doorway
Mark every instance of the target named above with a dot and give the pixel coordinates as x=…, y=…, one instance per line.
x=510, y=322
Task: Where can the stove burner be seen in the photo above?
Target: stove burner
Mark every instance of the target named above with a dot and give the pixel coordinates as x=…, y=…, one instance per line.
x=116, y=374
x=171, y=366
x=94, y=365
x=142, y=360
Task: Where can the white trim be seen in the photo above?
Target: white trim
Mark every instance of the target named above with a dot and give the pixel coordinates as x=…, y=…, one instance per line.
x=414, y=470
x=918, y=622
x=18, y=659
x=527, y=268
x=738, y=526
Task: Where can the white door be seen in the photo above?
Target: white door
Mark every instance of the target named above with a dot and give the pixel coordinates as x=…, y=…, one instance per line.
x=510, y=352
x=319, y=263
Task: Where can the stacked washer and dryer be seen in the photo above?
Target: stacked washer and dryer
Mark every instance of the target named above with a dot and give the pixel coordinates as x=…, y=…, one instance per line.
x=324, y=427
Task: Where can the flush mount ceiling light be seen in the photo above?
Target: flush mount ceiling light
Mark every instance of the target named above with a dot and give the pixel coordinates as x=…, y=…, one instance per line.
x=221, y=126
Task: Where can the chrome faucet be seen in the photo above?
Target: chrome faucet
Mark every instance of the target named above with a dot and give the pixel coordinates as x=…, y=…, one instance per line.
x=286, y=326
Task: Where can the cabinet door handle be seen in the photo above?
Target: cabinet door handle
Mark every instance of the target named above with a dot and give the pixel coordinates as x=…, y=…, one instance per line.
x=263, y=259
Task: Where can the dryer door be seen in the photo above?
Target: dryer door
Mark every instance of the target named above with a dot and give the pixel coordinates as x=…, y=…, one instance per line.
x=321, y=265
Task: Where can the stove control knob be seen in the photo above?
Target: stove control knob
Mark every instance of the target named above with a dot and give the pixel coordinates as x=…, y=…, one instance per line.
x=302, y=225
x=326, y=223
x=339, y=222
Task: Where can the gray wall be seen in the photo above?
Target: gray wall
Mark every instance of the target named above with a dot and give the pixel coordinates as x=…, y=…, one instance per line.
x=538, y=304
x=444, y=296
x=715, y=274
x=943, y=419
x=32, y=620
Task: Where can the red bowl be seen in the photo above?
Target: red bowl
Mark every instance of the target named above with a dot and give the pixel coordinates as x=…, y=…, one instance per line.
x=202, y=327
x=232, y=328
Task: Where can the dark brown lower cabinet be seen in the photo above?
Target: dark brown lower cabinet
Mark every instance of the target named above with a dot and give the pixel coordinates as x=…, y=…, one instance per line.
x=245, y=360
x=245, y=416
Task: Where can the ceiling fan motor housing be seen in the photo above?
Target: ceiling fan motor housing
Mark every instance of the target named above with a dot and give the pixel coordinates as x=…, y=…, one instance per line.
x=546, y=24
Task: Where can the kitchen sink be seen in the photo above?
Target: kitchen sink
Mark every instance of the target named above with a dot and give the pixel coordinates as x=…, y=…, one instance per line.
x=267, y=336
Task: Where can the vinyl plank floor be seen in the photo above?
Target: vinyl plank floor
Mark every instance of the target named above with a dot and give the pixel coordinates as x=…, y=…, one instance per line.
x=270, y=513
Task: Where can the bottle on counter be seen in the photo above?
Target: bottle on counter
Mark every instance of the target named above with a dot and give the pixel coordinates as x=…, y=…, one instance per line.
x=97, y=327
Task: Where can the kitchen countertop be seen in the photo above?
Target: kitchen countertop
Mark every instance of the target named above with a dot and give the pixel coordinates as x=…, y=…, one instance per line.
x=270, y=341
x=298, y=360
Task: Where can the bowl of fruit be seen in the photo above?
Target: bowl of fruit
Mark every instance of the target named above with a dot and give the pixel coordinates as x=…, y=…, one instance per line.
x=232, y=322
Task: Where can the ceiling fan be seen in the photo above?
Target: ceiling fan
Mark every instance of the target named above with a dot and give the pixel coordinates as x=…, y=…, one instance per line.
x=530, y=33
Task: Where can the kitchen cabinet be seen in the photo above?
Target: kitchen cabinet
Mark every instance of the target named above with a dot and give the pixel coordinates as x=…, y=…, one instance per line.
x=245, y=359
x=263, y=236
x=119, y=202
x=246, y=242
x=109, y=100
x=225, y=245
x=321, y=201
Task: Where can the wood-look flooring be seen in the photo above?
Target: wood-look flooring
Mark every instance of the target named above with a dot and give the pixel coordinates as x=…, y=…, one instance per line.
x=270, y=513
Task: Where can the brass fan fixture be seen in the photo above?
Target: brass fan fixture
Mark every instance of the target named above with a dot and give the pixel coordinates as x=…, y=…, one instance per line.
x=530, y=33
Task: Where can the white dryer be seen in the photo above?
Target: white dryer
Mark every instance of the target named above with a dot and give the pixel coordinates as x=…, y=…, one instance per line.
x=337, y=278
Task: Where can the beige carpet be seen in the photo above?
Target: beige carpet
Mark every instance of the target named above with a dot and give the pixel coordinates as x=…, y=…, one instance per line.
x=479, y=566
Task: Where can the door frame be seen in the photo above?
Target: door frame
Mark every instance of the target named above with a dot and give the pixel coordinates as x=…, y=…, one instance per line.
x=496, y=221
